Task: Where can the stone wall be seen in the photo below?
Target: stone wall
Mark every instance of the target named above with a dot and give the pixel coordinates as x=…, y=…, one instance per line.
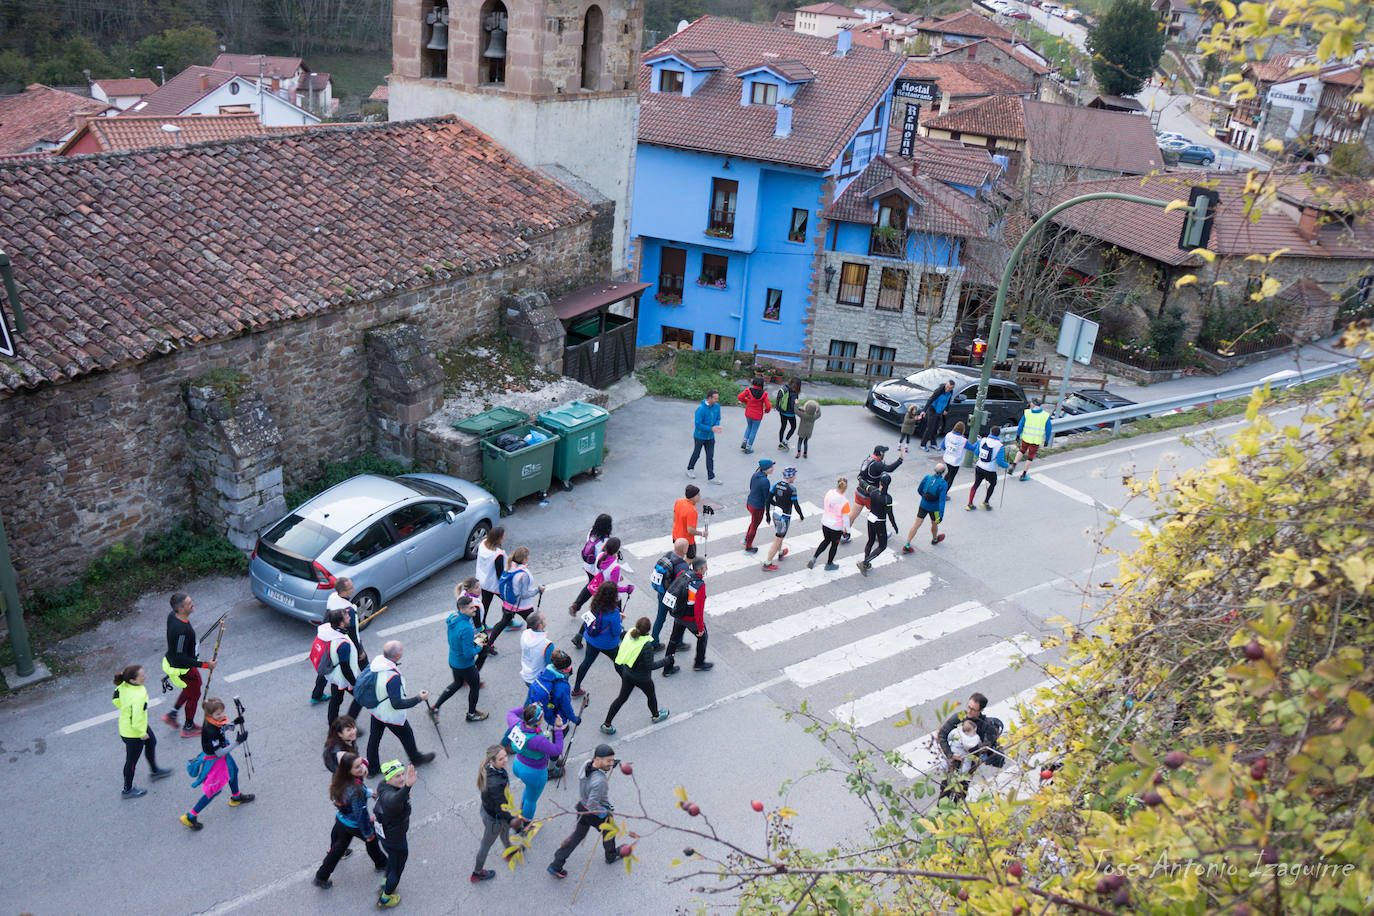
x=104, y=458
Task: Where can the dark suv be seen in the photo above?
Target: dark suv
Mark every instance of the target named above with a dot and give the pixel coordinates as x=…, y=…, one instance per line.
x=1005, y=401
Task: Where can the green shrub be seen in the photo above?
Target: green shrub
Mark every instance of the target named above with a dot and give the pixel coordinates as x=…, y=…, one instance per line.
x=697, y=372
x=338, y=472
x=1166, y=332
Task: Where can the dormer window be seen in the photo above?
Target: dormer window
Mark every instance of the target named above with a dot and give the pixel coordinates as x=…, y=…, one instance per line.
x=761, y=93
x=670, y=81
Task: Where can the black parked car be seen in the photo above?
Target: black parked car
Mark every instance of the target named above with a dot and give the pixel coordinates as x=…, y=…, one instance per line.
x=1090, y=400
x=1005, y=401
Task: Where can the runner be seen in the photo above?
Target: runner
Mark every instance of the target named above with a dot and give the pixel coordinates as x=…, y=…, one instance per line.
x=592, y=550
x=786, y=400
x=783, y=499
x=462, y=657
x=340, y=599
x=669, y=566
x=878, y=515
x=492, y=780
x=182, y=665
x=550, y=690
x=607, y=569
x=393, y=816
x=536, y=649
x=807, y=415
x=593, y=810
x=706, y=423
x=953, y=445
x=533, y=752
x=685, y=519
x=635, y=662
x=518, y=593
x=1034, y=430
x=343, y=739
x=991, y=456
x=338, y=665
x=834, y=524
x=131, y=699
x=216, y=766
x=491, y=562
x=603, y=633
x=686, y=599
x=756, y=404
x=757, y=501
x=349, y=795
x=870, y=474
x=932, y=489
x=389, y=710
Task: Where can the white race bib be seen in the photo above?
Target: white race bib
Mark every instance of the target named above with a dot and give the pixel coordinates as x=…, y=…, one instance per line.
x=669, y=600
x=656, y=579
x=588, y=618
x=516, y=737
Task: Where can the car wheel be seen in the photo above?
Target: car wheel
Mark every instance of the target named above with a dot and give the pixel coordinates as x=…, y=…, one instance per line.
x=367, y=602
x=475, y=537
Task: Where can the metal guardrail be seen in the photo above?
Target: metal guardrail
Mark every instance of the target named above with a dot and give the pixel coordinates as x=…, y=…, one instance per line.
x=1117, y=415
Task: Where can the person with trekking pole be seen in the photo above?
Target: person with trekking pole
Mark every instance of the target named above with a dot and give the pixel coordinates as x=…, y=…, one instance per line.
x=492, y=780
x=131, y=699
x=592, y=550
x=878, y=515
x=518, y=593
x=686, y=601
x=182, y=665
x=834, y=524
x=392, y=809
x=462, y=657
x=216, y=767
x=533, y=752
x=603, y=631
x=665, y=572
x=634, y=661
x=991, y=454
x=381, y=688
x=871, y=472
x=1034, y=430
x=608, y=569
x=593, y=810
x=351, y=819
x=685, y=518
x=783, y=501
x=550, y=689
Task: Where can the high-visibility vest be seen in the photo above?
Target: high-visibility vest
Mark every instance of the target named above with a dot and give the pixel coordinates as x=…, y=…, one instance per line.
x=630, y=649
x=1033, y=433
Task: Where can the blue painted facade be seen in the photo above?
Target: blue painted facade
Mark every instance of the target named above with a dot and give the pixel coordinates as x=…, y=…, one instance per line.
x=923, y=249
x=672, y=196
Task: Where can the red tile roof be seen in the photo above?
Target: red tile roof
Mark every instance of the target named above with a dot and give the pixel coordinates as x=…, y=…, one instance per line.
x=1153, y=233
x=148, y=131
x=316, y=82
x=1017, y=51
x=127, y=86
x=999, y=116
x=122, y=255
x=1306, y=293
x=41, y=114
x=180, y=92
x=826, y=114
x=939, y=210
x=793, y=71
x=964, y=79
x=1094, y=137
x=830, y=9
x=250, y=65
x=380, y=94
x=952, y=162
x=876, y=5
x=964, y=23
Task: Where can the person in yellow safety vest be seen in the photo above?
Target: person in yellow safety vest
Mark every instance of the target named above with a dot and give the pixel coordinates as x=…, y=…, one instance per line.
x=131, y=699
x=1033, y=431
x=181, y=664
x=635, y=662
x=390, y=712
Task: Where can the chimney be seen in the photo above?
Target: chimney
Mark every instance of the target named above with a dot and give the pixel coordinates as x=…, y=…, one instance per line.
x=784, y=109
x=205, y=82
x=276, y=85
x=944, y=102
x=1307, y=225
x=844, y=40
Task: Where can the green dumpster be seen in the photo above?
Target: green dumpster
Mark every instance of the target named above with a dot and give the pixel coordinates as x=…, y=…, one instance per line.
x=513, y=474
x=490, y=422
x=581, y=428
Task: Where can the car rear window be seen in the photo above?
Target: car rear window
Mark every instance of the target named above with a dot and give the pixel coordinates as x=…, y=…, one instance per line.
x=301, y=536
x=288, y=563
x=430, y=488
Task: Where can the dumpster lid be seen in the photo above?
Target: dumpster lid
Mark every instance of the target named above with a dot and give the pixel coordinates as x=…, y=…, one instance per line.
x=581, y=301
x=572, y=414
x=496, y=420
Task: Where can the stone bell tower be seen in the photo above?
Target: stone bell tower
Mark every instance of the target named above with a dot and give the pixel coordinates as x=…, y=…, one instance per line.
x=553, y=81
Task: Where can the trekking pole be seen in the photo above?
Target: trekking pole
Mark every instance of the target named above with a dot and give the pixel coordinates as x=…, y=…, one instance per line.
x=590, y=855
x=223, y=620
x=567, y=745
x=434, y=717
x=243, y=738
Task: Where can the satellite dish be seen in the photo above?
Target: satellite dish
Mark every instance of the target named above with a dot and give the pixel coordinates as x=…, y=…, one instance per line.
x=681, y=24
x=171, y=128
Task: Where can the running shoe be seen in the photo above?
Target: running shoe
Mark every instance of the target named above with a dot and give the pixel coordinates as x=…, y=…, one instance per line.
x=969, y=508
x=907, y=548
x=691, y=473
x=938, y=539
x=662, y=714
x=387, y=902
x=782, y=446
x=864, y=567
x=811, y=563
x=704, y=666
x=485, y=874
x=191, y=822
x=783, y=554
x=171, y=719
x=190, y=731
x=1025, y=475
x=557, y=872
x=160, y=774
x=579, y=692
x=608, y=729
x=134, y=792
x=475, y=716
x=831, y=567
x=242, y=798
x=770, y=567
x=987, y=506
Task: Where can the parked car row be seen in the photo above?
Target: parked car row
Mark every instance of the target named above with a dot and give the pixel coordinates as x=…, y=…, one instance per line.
x=1186, y=150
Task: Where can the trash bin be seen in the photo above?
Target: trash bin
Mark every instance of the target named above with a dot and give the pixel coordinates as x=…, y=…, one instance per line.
x=581, y=428
x=513, y=474
x=490, y=422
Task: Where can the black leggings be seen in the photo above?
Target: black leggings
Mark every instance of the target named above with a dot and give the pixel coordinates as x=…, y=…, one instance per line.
x=486, y=603
x=338, y=844
x=463, y=676
x=506, y=618
x=980, y=475
x=830, y=537
x=951, y=472
x=396, y=855
x=627, y=686
x=132, y=748
x=591, y=653
x=336, y=696
x=787, y=425
x=877, y=533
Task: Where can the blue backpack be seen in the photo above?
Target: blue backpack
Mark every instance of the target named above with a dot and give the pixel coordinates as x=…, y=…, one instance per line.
x=929, y=488
x=365, y=689
x=506, y=587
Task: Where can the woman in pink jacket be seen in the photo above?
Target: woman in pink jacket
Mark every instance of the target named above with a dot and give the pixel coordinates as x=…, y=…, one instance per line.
x=756, y=404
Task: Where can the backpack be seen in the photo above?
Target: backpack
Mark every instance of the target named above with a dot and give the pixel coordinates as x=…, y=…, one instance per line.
x=782, y=494
x=994, y=757
x=589, y=550
x=662, y=568
x=597, y=625
x=506, y=587
x=677, y=593
x=319, y=651
x=923, y=489
x=365, y=689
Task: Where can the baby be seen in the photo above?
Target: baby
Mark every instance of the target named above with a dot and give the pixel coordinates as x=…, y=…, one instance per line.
x=962, y=744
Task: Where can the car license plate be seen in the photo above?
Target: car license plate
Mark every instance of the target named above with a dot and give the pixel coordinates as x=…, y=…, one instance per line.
x=278, y=596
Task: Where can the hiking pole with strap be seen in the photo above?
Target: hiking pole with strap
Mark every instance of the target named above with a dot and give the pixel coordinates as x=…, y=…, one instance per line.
x=243, y=738
x=223, y=621
x=434, y=717
x=567, y=745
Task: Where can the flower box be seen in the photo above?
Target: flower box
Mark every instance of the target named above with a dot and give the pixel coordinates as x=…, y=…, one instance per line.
x=708, y=283
x=721, y=233
x=796, y=236
x=668, y=298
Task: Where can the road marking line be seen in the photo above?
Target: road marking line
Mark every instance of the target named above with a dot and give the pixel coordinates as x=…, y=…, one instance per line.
x=923, y=758
x=415, y=624
x=737, y=559
x=655, y=547
x=264, y=668
x=567, y=583
x=886, y=644
x=778, y=586
x=676, y=718
x=1079, y=496
x=935, y=683
x=97, y=720
x=808, y=621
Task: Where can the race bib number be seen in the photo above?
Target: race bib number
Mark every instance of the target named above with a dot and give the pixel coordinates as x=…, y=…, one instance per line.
x=669, y=600
x=870, y=517
x=516, y=738
x=656, y=579
x=588, y=618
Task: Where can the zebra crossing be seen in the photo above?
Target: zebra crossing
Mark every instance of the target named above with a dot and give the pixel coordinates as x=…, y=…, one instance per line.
x=893, y=609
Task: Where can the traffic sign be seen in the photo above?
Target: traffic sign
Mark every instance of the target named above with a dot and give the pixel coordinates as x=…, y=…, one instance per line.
x=1077, y=336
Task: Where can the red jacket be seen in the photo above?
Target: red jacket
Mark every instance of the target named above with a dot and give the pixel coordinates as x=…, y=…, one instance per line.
x=756, y=403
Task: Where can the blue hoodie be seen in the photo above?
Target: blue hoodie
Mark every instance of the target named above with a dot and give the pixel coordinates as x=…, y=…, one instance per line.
x=551, y=691
x=759, y=489
x=938, y=488
x=707, y=416
x=462, y=650
x=611, y=630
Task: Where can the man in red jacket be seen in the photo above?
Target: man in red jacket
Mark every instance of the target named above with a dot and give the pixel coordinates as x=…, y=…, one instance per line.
x=686, y=600
x=756, y=404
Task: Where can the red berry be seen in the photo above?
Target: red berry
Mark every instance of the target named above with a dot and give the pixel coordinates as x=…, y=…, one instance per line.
x=1254, y=651
x=626, y=769
x=1259, y=769
x=963, y=894
x=626, y=851
x=1121, y=897
x=1159, y=777
x=1115, y=882
x=1103, y=887
x=1175, y=759
x=1269, y=856
x=1152, y=798
x=1047, y=774
x=693, y=809
x=756, y=805
x=1015, y=869
x=1017, y=910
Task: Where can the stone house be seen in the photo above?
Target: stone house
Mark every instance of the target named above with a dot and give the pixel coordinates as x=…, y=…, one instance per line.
x=1325, y=240
x=954, y=84
x=1016, y=59
x=309, y=310
x=961, y=28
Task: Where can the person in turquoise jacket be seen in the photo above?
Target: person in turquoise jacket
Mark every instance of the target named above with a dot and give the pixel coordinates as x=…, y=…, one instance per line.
x=533, y=752
x=706, y=423
x=462, y=655
x=131, y=699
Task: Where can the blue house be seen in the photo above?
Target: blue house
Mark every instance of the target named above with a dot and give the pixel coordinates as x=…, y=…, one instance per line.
x=746, y=132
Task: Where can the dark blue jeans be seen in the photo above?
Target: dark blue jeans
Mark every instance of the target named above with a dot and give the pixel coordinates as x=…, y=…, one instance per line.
x=396, y=854
x=708, y=446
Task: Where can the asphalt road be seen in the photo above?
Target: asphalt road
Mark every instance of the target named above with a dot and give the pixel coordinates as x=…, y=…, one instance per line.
x=921, y=631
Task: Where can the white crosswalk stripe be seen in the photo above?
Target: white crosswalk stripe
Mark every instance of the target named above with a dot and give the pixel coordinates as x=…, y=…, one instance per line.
x=923, y=758
x=727, y=528
x=883, y=645
x=850, y=609
x=935, y=683
x=798, y=545
x=778, y=586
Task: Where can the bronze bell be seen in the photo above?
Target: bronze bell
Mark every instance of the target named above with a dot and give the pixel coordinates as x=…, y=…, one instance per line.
x=496, y=43
x=438, y=36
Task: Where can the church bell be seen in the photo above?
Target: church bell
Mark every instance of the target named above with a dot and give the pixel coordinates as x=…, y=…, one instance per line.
x=438, y=36
x=496, y=41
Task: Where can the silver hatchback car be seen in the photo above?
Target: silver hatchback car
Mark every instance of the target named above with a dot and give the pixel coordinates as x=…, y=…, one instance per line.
x=384, y=533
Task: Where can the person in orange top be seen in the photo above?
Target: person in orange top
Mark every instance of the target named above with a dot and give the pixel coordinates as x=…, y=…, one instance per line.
x=685, y=519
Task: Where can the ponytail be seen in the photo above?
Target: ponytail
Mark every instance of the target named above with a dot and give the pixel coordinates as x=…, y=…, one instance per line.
x=487, y=760
x=128, y=675
x=641, y=628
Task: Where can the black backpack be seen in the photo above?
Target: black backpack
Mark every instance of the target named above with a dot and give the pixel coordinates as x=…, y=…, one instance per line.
x=675, y=599
x=662, y=569
x=993, y=730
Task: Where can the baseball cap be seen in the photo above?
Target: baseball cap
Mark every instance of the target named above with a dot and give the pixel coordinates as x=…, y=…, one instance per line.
x=789, y=473
x=879, y=449
x=766, y=463
x=603, y=750
x=391, y=768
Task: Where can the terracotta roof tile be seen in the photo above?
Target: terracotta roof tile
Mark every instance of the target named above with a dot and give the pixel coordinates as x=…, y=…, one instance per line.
x=41, y=114
x=316, y=82
x=1113, y=140
x=380, y=94
x=998, y=116
x=180, y=92
x=282, y=68
x=965, y=23
x=127, y=86
x=876, y=5
x=829, y=9
x=939, y=210
x=952, y=162
x=964, y=79
x=1017, y=51
x=208, y=241
x=149, y=131
x=1306, y=293
x=825, y=115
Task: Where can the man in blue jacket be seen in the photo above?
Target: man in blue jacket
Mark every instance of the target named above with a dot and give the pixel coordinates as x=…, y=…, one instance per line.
x=462, y=657
x=760, y=490
x=936, y=406
x=932, y=489
x=704, y=435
